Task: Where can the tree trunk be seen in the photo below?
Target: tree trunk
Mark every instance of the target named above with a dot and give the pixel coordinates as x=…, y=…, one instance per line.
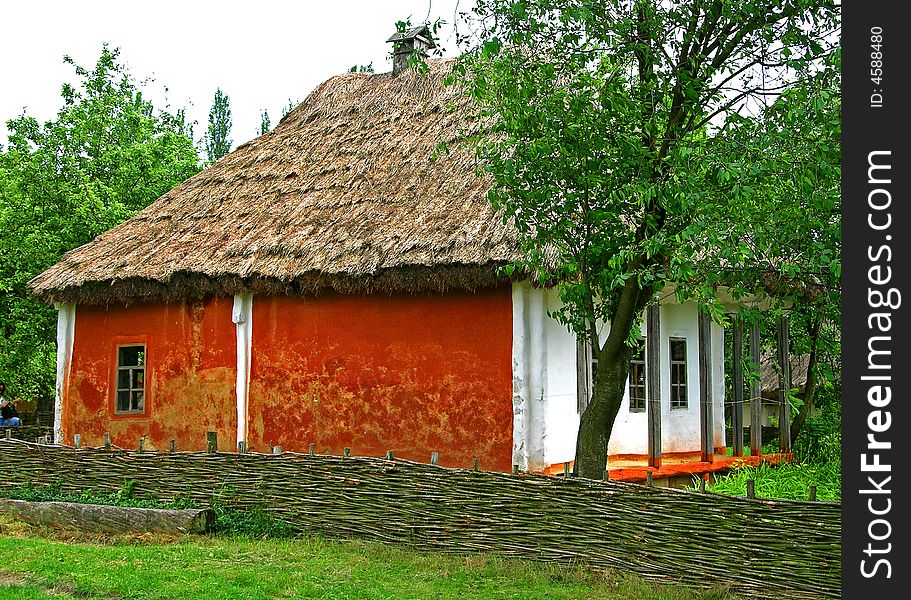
x=810, y=388
x=597, y=420
x=99, y=518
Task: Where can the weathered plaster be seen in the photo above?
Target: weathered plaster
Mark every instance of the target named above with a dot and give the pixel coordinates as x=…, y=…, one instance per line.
x=190, y=375
x=410, y=374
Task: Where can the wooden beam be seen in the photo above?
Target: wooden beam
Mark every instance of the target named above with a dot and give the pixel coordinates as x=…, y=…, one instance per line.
x=784, y=385
x=109, y=519
x=737, y=374
x=705, y=388
x=653, y=383
x=755, y=395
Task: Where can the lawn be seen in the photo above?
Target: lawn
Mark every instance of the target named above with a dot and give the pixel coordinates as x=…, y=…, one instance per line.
x=40, y=564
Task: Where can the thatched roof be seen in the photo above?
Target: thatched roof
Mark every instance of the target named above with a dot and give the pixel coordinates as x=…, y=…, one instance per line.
x=769, y=372
x=344, y=194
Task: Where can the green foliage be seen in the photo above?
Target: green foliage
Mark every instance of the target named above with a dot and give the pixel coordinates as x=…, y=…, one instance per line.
x=265, y=123
x=250, y=521
x=218, y=136
x=292, y=104
x=789, y=481
x=108, y=153
x=361, y=68
x=820, y=438
x=631, y=146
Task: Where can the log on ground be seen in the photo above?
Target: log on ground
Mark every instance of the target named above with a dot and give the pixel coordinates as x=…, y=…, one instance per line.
x=98, y=518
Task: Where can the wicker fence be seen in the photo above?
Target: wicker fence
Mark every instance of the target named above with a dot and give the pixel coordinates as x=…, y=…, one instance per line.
x=759, y=548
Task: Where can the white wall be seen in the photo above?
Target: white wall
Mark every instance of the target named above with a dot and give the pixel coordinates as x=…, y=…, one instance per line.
x=545, y=420
x=545, y=413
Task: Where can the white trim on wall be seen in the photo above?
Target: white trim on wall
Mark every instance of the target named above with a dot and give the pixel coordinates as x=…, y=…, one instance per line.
x=242, y=316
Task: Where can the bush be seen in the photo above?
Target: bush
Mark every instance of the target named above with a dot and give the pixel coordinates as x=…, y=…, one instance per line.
x=819, y=441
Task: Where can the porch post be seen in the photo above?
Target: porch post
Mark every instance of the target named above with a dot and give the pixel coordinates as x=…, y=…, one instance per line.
x=653, y=383
x=706, y=406
x=737, y=406
x=784, y=385
x=755, y=395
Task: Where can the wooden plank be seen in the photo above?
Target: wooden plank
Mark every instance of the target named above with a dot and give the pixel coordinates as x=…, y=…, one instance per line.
x=784, y=385
x=705, y=388
x=737, y=387
x=653, y=383
x=755, y=395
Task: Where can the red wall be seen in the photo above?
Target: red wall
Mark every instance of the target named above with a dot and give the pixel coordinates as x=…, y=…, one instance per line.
x=411, y=374
x=190, y=374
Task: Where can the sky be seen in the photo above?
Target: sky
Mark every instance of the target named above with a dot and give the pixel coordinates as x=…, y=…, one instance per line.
x=261, y=54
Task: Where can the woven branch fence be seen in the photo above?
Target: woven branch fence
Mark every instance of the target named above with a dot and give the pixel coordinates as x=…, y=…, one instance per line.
x=758, y=548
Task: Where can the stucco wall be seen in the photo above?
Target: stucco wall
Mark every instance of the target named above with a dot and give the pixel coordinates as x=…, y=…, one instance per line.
x=411, y=374
x=544, y=388
x=545, y=420
x=190, y=373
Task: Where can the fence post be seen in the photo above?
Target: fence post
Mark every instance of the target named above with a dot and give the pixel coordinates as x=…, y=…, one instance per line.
x=211, y=442
x=171, y=446
x=312, y=448
x=9, y=433
x=812, y=495
x=347, y=452
x=107, y=440
x=434, y=458
x=276, y=450
x=702, y=485
x=751, y=489
x=648, y=478
x=241, y=447
x=567, y=472
x=139, y=445
x=388, y=454
x=474, y=464
x=515, y=469
x=77, y=440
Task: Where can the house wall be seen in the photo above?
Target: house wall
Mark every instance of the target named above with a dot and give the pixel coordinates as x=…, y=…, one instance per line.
x=190, y=374
x=546, y=418
x=411, y=374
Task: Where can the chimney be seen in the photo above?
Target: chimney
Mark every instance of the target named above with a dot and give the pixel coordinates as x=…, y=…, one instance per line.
x=405, y=43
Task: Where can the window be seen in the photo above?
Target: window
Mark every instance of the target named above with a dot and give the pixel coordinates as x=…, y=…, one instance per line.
x=131, y=369
x=585, y=373
x=637, y=379
x=678, y=373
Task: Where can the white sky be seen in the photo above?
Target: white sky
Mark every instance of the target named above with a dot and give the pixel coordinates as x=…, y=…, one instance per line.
x=261, y=53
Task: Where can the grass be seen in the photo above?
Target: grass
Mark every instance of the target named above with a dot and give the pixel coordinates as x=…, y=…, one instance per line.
x=819, y=464
x=43, y=564
x=789, y=481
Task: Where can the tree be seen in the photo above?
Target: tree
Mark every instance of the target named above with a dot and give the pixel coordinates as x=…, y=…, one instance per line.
x=218, y=136
x=265, y=123
x=607, y=152
x=108, y=153
x=801, y=132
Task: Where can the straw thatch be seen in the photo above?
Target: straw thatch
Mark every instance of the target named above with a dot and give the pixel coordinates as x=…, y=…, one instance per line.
x=345, y=194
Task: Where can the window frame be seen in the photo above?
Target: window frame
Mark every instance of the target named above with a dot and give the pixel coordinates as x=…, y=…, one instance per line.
x=638, y=403
x=676, y=388
x=118, y=368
